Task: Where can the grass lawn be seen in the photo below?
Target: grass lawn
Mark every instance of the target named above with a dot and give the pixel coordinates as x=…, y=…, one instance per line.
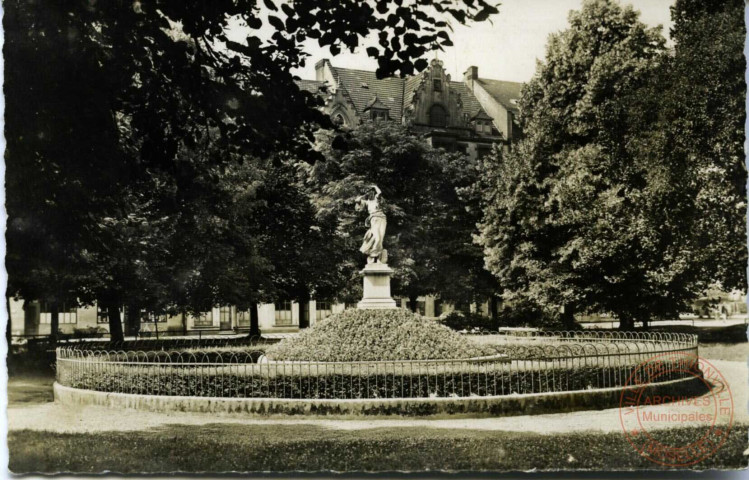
x=732, y=352
x=30, y=389
x=235, y=447
x=730, y=334
x=223, y=448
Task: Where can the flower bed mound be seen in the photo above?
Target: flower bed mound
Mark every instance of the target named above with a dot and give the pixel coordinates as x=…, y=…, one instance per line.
x=371, y=335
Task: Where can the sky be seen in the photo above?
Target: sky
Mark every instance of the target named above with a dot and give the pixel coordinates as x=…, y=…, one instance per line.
x=505, y=50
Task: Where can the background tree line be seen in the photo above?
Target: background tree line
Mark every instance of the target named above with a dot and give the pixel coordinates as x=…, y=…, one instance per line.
x=628, y=194
x=151, y=161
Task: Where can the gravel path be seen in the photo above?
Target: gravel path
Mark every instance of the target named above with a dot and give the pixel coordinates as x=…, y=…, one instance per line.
x=56, y=418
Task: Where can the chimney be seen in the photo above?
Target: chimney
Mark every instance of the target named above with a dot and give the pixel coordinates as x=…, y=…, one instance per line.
x=320, y=69
x=470, y=76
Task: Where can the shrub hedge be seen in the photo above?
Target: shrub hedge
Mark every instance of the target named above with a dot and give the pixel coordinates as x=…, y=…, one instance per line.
x=466, y=322
x=371, y=335
x=346, y=384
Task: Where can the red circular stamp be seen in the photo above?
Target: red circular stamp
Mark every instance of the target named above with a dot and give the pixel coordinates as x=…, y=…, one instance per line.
x=665, y=397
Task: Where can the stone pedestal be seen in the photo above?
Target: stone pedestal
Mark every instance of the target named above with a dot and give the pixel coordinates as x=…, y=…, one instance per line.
x=376, y=287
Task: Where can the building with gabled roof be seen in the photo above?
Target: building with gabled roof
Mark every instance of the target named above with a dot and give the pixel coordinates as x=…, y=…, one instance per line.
x=469, y=115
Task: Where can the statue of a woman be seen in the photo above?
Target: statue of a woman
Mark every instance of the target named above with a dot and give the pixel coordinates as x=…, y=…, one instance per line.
x=372, y=245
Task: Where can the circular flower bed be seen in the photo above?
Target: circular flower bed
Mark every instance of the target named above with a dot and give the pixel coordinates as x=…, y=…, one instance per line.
x=371, y=335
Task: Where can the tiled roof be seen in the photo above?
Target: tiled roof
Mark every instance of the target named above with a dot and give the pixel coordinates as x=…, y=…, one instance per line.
x=503, y=92
x=375, y=103
x=312, y=86
x=482, y=115
x=412, y=83
x=362, y=86
x=471, y=105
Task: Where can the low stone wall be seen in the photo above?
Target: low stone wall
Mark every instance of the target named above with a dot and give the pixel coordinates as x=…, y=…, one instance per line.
x=505, y=405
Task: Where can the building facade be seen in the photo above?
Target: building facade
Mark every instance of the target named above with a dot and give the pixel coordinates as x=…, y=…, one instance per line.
x=33, y=318
x=469, y=115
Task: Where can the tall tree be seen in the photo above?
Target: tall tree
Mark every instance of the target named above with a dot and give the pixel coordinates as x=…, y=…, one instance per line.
x=566, y=224
x=104, y=98
x=631, y=168
x=428, y=236
x=59, y=126
x=302, y=246
x=702, y=120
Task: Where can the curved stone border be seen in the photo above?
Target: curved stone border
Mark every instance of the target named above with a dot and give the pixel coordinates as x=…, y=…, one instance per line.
x=504, y=405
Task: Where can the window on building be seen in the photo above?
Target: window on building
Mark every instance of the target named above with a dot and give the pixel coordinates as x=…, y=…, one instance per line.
x=102, y=316
x=448, y=146
x=152, y=317
x=437, y=116
x=283, y=313
x=339, y=120
x=484, y=126
x=437, y=85
x=323, y=309
x=203, y=319
x=224, y=314
x=66, y=314
x=379, y=115
x=243, y=318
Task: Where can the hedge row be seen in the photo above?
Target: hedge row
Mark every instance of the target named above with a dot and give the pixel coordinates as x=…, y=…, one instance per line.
x=370, y=335
x=184, y=382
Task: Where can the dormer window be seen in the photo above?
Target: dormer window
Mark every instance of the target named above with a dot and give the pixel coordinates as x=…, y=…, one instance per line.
x=483, y=126
x=377, y=110
x=437, y=85
x=379, y=114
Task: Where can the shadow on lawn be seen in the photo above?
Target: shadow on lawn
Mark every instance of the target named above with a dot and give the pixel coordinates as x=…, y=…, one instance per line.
x=241, y=448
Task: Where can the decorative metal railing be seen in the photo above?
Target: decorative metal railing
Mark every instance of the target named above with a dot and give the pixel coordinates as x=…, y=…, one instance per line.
x=538, y=363
x=152, y=344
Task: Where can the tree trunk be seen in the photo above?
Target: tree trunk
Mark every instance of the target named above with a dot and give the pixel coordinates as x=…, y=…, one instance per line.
x=54, y=323
x=254, y=321
x=494, y=311
x=8, y=331
x=626, y=323
x=132, y=320
x=115, y=323
x=184, y=323
x=568, y=317
x=413, y=303
x=9, y=334
x=303, y=302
